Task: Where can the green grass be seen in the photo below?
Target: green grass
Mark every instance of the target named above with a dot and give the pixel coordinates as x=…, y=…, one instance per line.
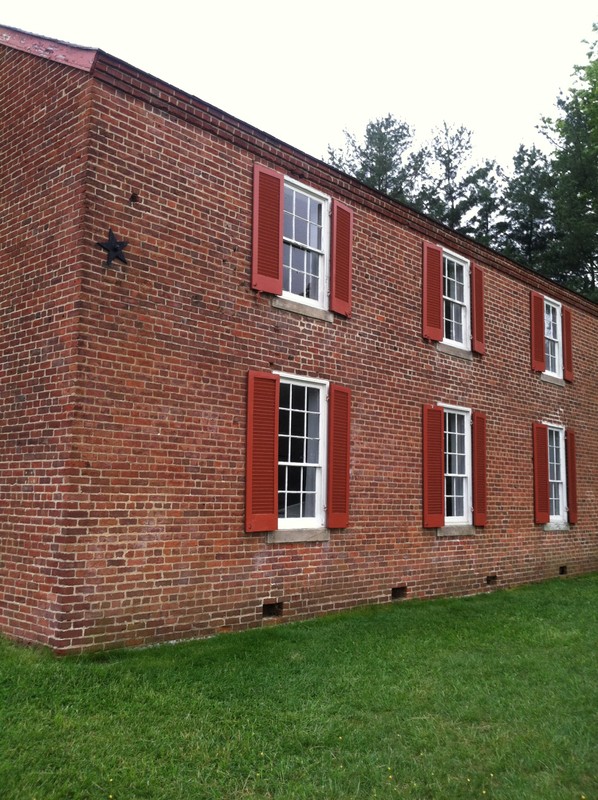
x=492, y=697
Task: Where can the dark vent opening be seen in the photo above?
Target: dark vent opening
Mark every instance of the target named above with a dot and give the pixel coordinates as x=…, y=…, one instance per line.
x=491, y=580
x=398, y=593
x=272, y=610
x=563, y=569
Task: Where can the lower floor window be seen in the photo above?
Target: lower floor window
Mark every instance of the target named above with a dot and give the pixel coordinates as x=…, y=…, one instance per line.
x=298, y=453
x=301, y=445
x=457, y=466
x=556, y=474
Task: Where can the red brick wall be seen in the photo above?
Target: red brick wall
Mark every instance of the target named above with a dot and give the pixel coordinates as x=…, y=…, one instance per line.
x=42, y=162
x=155, y=529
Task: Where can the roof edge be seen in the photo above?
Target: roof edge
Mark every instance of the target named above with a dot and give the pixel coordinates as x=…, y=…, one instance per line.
x=51, y=49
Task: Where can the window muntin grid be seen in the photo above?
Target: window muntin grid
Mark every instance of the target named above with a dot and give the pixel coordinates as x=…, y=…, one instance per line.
x=457, y=466
x=552, y=338
x=300, y=454
x=456, y=301
x=304, y=259
x=556, y=474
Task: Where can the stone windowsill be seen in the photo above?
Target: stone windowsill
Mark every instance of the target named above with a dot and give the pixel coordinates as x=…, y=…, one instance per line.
x=456, y=530
x=552, y=379
x=301, y=308
x=557, y=526
x=298, y=535
x=451, y=350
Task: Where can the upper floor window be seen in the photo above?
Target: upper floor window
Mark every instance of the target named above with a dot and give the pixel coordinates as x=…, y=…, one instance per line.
x=302, y=243
x=551, y=338
x=453, y=300
x=305, y=268
x=456, y=301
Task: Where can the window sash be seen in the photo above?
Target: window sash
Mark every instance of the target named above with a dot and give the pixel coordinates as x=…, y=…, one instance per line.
x=456, y=301
x=457, y=466
x=305, y=243
x=553, y=364
x=302, y=453
x=557, y=475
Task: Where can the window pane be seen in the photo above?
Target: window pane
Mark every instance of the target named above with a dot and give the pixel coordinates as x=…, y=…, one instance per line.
x=301, y=203
x=293, y=506
x=298, y=423
x=298, y=397
x=297, y=450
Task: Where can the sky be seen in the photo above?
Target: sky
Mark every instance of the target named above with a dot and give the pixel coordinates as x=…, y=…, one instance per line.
x=306, y=71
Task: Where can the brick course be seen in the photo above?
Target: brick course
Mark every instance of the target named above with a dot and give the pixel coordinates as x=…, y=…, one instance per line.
x=123, y=388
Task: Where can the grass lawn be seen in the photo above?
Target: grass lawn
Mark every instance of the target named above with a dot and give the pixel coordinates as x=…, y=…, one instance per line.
x=491, y=697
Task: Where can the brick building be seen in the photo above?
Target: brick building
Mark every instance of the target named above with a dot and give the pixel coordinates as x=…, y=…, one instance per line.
x=238, y=385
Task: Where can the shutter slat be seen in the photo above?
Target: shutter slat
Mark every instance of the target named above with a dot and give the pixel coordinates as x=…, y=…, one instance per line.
x=541, y=485
x=339, y=440
x=480, y=488
x=433, y=327
x=538, y=352
x=261, y=495
x=433, y=466
x=341, y=259
x=571, y=475
x=268, y=212
x=478, y=344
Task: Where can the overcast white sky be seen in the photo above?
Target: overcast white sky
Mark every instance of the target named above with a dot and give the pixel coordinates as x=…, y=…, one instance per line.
x=304, y=71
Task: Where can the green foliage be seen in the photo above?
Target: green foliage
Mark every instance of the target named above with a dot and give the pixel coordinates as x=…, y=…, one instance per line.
x=543, y=213
x=490, y=697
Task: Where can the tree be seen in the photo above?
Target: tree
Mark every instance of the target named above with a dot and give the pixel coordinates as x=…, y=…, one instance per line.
x=385, y=159
x=525, y=229
x=572, y=257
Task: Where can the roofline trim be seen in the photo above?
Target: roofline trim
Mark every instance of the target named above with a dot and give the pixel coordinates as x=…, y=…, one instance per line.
x=51, y=49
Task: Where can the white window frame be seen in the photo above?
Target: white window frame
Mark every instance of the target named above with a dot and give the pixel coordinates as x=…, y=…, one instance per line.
x=322, y=301
x=467, y=516
x=558, y=485
x=447, y=255
x=319, y=519
x=555, y=306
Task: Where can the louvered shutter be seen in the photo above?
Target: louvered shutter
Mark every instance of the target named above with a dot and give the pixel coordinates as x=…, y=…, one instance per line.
x=541, y=485
x=339, y=435
x=537, y=332
x=567, y=345
x=261, y=499
x=478, y=344
x=268, y=211
x=433, y=466
x=480, y=489
x=433, y=327
x=571, y=476
x=341, y=259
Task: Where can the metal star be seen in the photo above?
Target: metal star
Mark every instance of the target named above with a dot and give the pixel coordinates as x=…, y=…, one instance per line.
x=114, y=248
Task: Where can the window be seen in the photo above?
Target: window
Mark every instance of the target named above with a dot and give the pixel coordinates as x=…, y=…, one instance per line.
x=301, y=446
x=454, y=460
x=457, y=466
x=551, y=338
x=555, y=478
x=302, y=243
x=304, y=274
x=297, y=453
x=453, y=300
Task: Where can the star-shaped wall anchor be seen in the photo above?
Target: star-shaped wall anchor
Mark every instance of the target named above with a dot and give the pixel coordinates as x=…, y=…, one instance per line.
x=114, y=248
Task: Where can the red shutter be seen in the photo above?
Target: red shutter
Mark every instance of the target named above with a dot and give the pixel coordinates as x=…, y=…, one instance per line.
x=477, y=310
x=537, y=332
x=541, y=488
x=480, y=489
x=433, y=327
x=339, y=426
x=571, y=476
x=261, y=498
x=567, y=348
x=433, y=466
x=268, y=211
x=341, y=257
